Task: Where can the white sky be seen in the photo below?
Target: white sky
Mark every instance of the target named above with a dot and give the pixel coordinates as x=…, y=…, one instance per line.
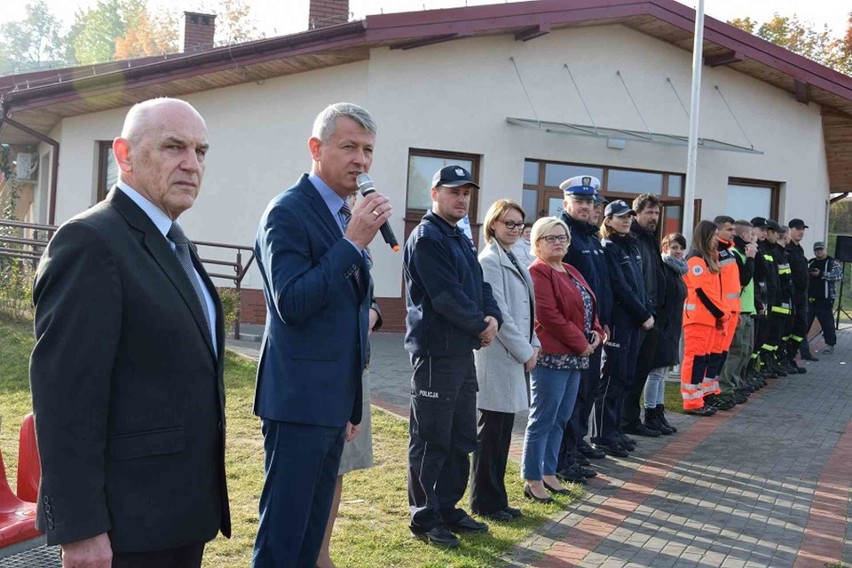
x=279, y=17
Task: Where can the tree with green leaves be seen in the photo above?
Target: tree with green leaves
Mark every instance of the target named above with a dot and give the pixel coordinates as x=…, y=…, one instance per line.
x=32, y=43
x=803, y=38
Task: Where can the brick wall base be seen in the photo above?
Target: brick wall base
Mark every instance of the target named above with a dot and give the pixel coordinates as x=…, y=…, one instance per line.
x=253, y=310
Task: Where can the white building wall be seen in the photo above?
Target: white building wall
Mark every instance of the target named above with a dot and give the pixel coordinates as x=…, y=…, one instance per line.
x=455, y=97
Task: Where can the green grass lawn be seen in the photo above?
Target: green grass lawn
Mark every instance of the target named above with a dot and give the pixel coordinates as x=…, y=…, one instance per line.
x=372, y=529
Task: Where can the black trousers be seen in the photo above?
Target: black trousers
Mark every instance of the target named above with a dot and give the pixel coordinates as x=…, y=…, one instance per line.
x=632, y=412
x=619, y=361
x=487, y=484
x=823, y=311
x=798, y=326
x=578, y=425
x=442, y=433
x=183, y=557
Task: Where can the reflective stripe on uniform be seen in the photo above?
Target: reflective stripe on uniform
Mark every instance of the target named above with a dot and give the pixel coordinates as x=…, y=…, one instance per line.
x=733, y=295
x=690, y=307
x=796, y=338
x=780, y=310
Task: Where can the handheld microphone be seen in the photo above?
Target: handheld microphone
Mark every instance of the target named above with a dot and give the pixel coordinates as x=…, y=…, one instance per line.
x=366, y=187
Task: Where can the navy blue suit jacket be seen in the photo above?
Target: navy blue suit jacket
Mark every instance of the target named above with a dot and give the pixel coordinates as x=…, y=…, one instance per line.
x=315, y=341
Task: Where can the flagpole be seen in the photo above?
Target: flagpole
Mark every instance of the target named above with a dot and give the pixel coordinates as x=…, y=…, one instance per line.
x=694, y=105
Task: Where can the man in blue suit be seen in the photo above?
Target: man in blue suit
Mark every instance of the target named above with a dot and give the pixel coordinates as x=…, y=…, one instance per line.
x=310, y=250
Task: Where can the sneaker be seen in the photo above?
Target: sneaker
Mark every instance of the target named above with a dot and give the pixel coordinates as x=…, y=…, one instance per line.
x=612, y=449
x=829, y=349
x=720, y=402
x=703, y=411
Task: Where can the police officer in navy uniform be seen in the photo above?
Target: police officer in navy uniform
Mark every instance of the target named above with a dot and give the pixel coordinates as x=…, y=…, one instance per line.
x=586, y=254
x=451, y=312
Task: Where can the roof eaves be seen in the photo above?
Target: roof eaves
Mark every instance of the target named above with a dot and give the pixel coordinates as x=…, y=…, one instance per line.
x=161, y=70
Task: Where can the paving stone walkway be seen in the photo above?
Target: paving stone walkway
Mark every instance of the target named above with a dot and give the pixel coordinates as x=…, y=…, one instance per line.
x=767, y=484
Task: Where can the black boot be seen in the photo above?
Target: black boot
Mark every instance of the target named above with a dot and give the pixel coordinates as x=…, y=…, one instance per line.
x=653, y=422
x=806, y=354
x=661, y=416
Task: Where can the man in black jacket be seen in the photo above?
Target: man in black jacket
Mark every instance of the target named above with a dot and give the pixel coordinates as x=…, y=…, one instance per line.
x=586, y=255
x=766, y=287
x=451, y=312
x=799, y=269
x=644, y=228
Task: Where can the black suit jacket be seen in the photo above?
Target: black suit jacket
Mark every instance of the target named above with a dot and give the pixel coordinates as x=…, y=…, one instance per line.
x=128, y=394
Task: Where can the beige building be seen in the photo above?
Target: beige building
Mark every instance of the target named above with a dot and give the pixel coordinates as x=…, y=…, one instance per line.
x=525, y=95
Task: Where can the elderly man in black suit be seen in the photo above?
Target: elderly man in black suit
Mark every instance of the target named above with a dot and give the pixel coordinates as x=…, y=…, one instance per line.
x=126, y=374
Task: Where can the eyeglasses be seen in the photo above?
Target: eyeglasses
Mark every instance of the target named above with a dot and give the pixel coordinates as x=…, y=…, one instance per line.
x=511, y=225
x=553, y=239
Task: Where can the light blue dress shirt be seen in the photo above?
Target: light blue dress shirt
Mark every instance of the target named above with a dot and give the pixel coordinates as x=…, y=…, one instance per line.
x=164, y=224
x=333, y=201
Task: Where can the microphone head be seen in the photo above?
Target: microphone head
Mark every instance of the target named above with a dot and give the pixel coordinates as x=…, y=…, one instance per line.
x=364, y=183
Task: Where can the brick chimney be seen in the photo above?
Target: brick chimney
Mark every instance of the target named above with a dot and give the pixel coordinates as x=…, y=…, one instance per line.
x=325, y=13
x=197, y=31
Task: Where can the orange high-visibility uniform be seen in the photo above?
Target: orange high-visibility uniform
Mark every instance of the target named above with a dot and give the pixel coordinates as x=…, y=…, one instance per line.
x=730, y=293
x=702, y=310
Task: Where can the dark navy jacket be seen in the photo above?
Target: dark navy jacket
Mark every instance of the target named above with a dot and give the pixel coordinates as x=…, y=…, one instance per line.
x=586, y=254
x=447, y=299
x=625, y=274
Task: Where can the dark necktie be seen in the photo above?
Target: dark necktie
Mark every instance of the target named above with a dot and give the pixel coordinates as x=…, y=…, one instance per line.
x=177, y=236
x=345, y=215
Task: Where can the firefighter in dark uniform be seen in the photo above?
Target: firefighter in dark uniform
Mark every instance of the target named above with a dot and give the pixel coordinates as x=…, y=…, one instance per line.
x=781, y=316
x=799, y=268
x=766, y=277
x=451, y=312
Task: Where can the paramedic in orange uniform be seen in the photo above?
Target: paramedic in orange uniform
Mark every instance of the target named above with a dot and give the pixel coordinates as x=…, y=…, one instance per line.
x=704, y=317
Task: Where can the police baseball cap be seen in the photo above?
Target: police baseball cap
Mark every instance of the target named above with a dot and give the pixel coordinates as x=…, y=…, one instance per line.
x=760, y=223
x=819, y=245
x=797, y=224
x=773, y=225
x=581, y=187
x=600, y=199
x=618, y=208
x=453, y=176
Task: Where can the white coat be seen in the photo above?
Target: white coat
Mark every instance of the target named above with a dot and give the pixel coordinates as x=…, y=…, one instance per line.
x=500, y=366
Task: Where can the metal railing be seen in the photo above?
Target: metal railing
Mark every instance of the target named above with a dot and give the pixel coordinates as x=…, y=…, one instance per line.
x=27, y=241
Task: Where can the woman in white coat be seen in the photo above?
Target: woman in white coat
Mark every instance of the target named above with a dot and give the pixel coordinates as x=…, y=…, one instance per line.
x=502, y=368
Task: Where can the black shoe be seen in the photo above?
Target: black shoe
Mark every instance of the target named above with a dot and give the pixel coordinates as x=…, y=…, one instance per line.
x=703, y=411
x=499, y=516
x=514, y=512
x=588, y=472
x=652, y=421
x=570, y=474
x=807, y=355
x=466, y=524
x=612, y=449
x=740, y=398
x=801, y=370
x=592, y=453
x=439, y=536
x=639, y=429
x=661, y=415
x=720, y=402
x=530, y=495
x=791, y=368
x=625, y=439
x=580, y=458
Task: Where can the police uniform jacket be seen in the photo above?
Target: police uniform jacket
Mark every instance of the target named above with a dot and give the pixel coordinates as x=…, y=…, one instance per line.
x=447, y=298
x=625, y=271
x=586, y=254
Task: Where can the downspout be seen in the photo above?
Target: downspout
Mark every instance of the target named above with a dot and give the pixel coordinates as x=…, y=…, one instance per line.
x=54, y=163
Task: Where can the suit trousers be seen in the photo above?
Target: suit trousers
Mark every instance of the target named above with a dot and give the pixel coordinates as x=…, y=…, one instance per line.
x=823, y=311
x=442, y=434
x=488, y=474
x=183, y=557
x=301, y=467
x=619, y=361
x=632, y=412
